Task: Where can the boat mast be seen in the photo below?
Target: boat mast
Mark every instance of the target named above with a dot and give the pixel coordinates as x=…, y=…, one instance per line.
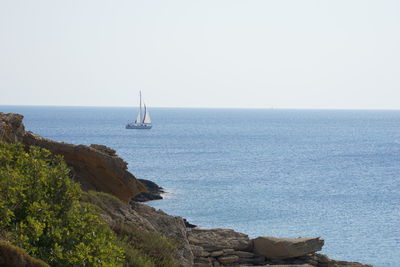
x=140, y=106
x=145, y=113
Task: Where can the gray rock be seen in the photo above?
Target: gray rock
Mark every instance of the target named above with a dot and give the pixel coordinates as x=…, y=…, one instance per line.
x=286, y=248
x=217, y=253
x=219, y=239
x=258, y=260
x=202, y=262
x=228, y=251
x=229, y=259
x=168, y=225
x=199, y=251
x=12, y=129
x=244, y=254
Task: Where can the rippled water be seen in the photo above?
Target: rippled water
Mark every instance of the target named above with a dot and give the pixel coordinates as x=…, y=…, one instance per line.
x=285, y=173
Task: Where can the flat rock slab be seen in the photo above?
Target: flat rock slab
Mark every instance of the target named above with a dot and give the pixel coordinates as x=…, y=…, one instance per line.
x=229, y=259
x=290, y=265
x=219, y=239
x=286, y=248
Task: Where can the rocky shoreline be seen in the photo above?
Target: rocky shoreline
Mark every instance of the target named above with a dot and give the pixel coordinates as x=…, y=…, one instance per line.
x=98, y=168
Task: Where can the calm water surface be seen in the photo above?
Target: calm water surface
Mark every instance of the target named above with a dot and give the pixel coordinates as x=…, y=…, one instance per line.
x=284, y=173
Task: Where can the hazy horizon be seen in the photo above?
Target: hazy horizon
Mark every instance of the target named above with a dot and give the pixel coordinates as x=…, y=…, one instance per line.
x=212, y=54
x=171, y=107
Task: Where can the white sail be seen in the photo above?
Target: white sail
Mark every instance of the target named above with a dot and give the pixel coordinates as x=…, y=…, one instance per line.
x=138, y=119
x=143, y=120
x=146, y=118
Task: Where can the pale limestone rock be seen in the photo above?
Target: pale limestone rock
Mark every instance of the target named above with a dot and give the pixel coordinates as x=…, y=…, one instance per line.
x=219, y=239
x=217, y=253
x=228, y=251
x=285, y=248
x=228, y=259
x=244, y=254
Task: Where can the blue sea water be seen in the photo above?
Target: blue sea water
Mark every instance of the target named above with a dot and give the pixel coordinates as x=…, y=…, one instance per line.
x=284, y=173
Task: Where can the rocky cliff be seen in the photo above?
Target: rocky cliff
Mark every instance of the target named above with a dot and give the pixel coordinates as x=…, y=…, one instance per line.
x=98, y=168
x=95, y=167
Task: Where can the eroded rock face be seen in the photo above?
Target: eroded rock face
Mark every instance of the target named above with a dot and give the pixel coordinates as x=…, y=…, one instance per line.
x=147, y=218
x=219, y=239
x=285, y=248
x=95, y=167
x=11, y=128
x=170, y=226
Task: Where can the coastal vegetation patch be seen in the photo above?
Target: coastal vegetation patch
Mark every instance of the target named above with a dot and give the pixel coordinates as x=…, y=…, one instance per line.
x=46, y=214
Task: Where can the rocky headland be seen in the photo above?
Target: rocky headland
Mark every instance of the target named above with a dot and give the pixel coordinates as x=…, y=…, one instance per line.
x=98, y=168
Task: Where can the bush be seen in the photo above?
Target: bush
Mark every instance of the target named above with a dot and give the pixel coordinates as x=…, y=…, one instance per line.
x=142, y=248
x=153, y=247
x=41, y=211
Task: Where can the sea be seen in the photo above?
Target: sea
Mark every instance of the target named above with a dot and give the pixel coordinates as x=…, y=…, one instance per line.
x=264, y=172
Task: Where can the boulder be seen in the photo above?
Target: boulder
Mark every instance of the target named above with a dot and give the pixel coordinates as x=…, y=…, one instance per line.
x=285, y=248
x=11, y=128
x=154, y=191
x=219, y=239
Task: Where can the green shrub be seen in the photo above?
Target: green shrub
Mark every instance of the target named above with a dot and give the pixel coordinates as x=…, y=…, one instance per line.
x=41, y=211
x=142, y=248
x=157, y=248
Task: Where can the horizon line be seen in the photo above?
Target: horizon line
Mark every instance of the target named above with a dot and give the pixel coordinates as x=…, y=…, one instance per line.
x=260, y=108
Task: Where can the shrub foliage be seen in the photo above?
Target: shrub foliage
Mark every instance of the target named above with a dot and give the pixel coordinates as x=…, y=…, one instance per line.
x=40, y=211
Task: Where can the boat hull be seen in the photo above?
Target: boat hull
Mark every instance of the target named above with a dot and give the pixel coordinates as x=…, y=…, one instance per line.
x=138, y=126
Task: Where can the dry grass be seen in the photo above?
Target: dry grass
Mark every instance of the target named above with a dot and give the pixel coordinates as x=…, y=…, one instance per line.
x=14, y=256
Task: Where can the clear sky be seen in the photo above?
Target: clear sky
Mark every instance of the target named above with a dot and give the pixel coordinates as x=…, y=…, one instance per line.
x=209, y=53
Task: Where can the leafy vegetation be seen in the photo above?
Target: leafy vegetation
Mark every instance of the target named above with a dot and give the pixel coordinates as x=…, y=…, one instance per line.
x=41, y=212
x=142, y=248
x=46, y=214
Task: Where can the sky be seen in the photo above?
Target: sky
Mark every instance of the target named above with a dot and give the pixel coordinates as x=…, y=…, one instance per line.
x=336, y=54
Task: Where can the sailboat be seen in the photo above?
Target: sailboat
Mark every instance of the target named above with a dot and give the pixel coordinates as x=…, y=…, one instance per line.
x=143, y=120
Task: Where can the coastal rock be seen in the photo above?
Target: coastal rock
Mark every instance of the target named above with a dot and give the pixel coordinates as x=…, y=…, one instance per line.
x=113, y=211
x=219, y=239
x=11, y=128
x=284, y=248
x=199, y=251
x=202, y=262
x=229, y=259
x=95, y=167
x=291, y=265
x=217, y=253
x=244, y=254
x=153, y=191
x=170, y=226
x=321, y=260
